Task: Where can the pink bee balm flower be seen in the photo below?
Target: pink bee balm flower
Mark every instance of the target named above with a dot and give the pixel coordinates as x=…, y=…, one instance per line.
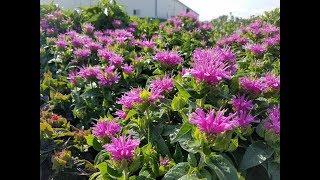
x=106, y=129
x=122, y=148
x=88, y=28
x=211, y=65
x=105, y=54
x=121, y=114
x=161, y=85
x=89, y=72
x=128, y=69
x=272, y=41
x=116, y=60
x=213, y=122
x=256, y=48
x=107, y=77
x=273, y=122
x=82, y=53
x=240, y=103
x=206, y=26
x=61, y=44
x=168, y=58
x=252, y=85
x=111, y=57
x=164, y=161
x=243, y=118
x=72, y=77
x=116, y=23
x=94, y=46
x=272, y=82
x=129, y=99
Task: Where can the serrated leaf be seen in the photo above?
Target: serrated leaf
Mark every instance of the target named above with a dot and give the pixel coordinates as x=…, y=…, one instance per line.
x=255, y=154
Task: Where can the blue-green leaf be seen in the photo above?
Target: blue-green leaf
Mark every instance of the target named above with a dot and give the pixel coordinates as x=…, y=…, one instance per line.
x=255, y=154
x=223, y=168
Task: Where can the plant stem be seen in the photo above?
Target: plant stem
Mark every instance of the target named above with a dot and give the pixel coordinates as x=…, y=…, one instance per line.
x=125, y=174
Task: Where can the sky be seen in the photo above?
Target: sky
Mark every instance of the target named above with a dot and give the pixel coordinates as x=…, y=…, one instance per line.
x=209, y=9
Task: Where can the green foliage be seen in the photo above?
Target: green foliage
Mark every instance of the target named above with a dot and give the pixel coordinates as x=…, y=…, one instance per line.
x=171, y=147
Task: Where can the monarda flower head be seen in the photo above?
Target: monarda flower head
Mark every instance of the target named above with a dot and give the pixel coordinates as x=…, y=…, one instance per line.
x=105, y=128
x=189, y=15
x=210, y=66
x=129, y=99
x=272, y=41
x=72, y=77
x=168, y=58
x=89, y=72
x=127, y=69
x=272, y=82
x=121, y=114
x=206, y=26
x=253, y=85
x=107, y=77
x=240, y=103
x=273, y=121
x=87, y=28
x=256, y=48
x=82, y=53
x=162, y=85
x=146, y=44
x=61, y=44
x=111, y=57
x=243, y=118
x=116, y=23
x=93, y=46
x=122, y=148
x=214, y=122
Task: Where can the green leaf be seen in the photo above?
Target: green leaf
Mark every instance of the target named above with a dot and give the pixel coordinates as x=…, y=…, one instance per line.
x=222, y=167
x=274, y=170
x=191, y=177
x=191, y=146
x=160, y=143
x=135, y=164
x=192, y=160
x=178, y=103
x=131, y=113
x=178, y=156
x=233, y=144
x=260, y=130
x=103, y=167
x=184, y=94
x=100, y=157
x=177, y=171
x=92, y=141
x=204, y=173
x=185, y=129
x=255, y=154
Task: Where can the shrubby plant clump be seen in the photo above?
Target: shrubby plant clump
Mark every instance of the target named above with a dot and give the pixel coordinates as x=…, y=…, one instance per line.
x=130, y=98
